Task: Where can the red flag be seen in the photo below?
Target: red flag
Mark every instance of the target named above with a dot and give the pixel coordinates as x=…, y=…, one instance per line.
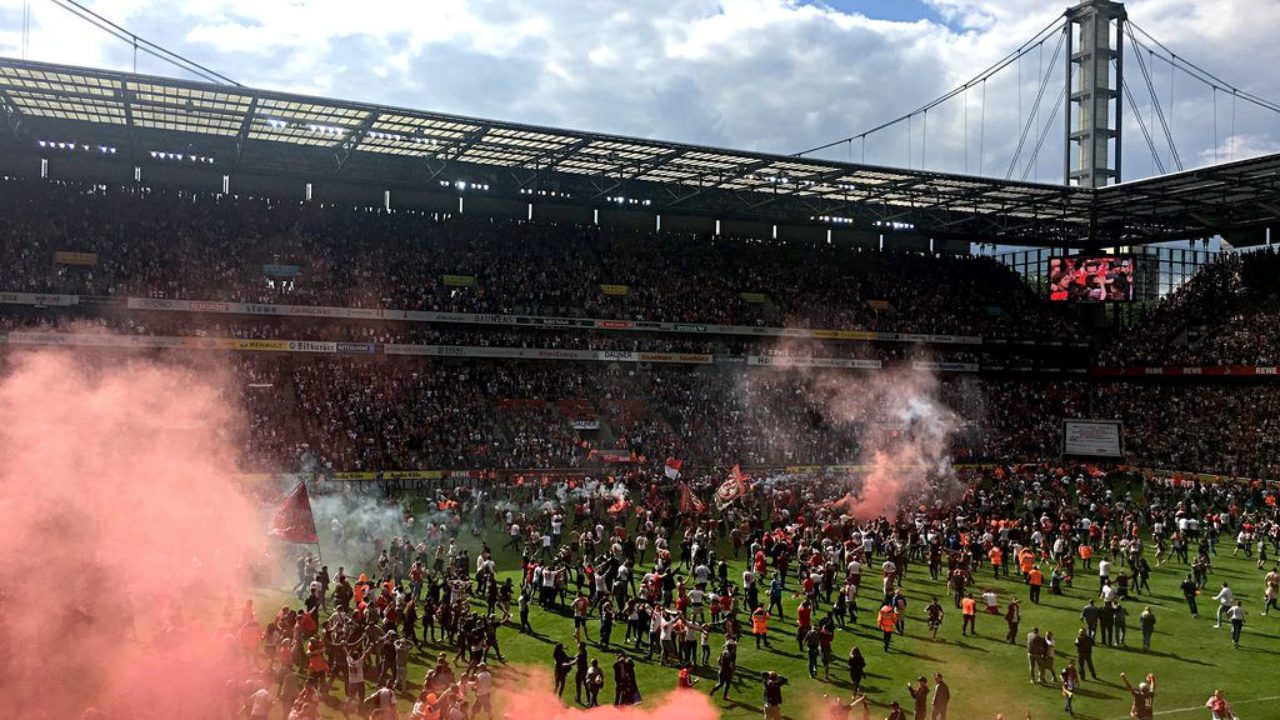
x=672, y=469
x=731, y=489
x=689, y=503
x=293, y=521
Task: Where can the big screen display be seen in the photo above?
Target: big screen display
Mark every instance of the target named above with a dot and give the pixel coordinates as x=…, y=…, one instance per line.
x=1091, y=278
x=1091, y=438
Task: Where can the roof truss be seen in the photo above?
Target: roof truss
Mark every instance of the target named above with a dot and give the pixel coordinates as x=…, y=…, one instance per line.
x=270, y=130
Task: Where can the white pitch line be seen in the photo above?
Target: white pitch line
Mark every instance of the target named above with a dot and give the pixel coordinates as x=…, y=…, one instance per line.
x=1202, y=707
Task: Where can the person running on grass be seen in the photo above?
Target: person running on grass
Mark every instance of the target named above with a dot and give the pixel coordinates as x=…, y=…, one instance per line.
x=1236, y=616
x=934, y=614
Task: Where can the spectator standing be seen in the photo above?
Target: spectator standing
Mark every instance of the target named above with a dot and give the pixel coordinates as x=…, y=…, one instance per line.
x=1147, y=622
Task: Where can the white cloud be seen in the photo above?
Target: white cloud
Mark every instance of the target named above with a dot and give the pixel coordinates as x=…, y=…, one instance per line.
x=772, y=75
x=1239, y=147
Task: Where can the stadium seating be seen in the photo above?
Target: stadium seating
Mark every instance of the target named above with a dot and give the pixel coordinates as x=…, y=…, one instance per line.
x=379, y=412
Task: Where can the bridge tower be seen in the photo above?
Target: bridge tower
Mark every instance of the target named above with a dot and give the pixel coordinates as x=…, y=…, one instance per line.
x=1091, y=123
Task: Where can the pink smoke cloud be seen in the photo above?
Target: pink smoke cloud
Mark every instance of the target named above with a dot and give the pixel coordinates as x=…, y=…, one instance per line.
x=906, y=440
x=529, y=697
x=895, y=417
x=124, y=539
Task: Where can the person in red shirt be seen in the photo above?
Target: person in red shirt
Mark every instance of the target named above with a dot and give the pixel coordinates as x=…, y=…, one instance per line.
x=804, y=621
x=581, y=607
x=807, y=586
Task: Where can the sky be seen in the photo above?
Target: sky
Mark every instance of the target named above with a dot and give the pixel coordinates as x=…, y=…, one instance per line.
x=767, y=75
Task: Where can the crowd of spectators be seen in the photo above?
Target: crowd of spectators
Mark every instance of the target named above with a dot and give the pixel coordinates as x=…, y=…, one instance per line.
x=396, y=413
x=1227, y=314
x=381, y=332
x=217, y=247
x=387, y=413
x=379, y=416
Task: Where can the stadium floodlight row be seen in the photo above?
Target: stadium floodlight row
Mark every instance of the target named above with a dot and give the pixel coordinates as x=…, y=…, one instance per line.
x=141, y=120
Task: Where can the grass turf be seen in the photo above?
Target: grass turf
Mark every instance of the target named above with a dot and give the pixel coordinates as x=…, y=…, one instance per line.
x=1189, y=657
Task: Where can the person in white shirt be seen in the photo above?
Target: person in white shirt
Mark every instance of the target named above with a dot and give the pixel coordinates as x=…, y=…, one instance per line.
x=696, y=600
x=854, y=570
x=483, y=685
x=1104, y=572
x=1109, y=593
x=1236, y=615
x=1225, y=598
x=259, y=704
x=548, y=586
x=702, y=574
x=383, y=702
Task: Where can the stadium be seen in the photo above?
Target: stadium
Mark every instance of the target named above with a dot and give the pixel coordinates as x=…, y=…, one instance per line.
x=318, y=408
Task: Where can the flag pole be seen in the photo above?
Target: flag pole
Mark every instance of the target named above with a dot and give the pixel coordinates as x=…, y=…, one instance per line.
x=319, y=552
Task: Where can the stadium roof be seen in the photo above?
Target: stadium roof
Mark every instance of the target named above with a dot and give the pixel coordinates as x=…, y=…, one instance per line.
x=242, y=129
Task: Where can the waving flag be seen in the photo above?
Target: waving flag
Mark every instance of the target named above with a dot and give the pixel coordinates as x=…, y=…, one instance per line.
x=293, y=521
x=672, y=469
x=689, y=503
x=731, y=489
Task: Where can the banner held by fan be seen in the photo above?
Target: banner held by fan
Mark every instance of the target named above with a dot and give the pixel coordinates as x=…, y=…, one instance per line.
x=689, y=503
x=731, y=489
x=294, y=522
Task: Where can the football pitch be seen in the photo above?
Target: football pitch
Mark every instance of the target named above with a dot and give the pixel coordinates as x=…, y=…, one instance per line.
x=987, y=675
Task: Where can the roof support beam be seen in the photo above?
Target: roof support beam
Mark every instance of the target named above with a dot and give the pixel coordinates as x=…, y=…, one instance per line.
x=343, y=148
x=722, y=178
x=657, y=162
x=459, y=147
x=246, y=124
x=550, y=159
x=12, y=115
x=100, y=99
x=796, y=187
x=123, y=91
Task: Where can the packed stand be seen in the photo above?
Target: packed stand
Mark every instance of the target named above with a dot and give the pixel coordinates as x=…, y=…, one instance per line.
x=212, y=247
x=1227, y=314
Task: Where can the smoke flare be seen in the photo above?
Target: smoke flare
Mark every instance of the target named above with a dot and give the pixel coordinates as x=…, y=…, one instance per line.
x=125, y=539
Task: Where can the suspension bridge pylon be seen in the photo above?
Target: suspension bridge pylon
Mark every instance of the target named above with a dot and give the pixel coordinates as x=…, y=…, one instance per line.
x=1095, y=62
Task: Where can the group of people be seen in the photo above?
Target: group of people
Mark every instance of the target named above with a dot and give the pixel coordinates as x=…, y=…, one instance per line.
x=662, y=573
x=209, y=246
x=1226, y=314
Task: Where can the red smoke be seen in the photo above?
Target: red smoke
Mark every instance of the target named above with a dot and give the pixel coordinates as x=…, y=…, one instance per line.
x=906, y=441
x=531, y=698
x=902, y=428
x=882, y=487
x=124, y=538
